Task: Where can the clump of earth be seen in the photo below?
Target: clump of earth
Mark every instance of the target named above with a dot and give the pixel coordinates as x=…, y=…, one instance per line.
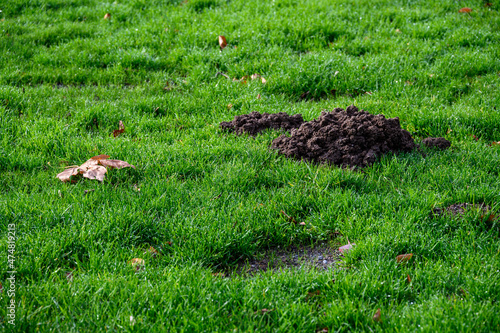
x=348, y=138
x=255, y=122
x=440, y=143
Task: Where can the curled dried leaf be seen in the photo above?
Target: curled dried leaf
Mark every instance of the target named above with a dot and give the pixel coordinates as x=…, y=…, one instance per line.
x=403, y=258
x=67, y=174
x=120, y=130
x=95, y=172
x=116, y=164
x=107, y=16
x=376, y=316
x=465, y=10
x=100, y=157
x=137, y=263
x=222, y=42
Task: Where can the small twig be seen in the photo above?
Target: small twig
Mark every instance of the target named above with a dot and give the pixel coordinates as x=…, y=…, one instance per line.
x=220, y=73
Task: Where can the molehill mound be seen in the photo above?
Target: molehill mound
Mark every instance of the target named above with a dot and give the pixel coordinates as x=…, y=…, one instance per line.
x=349, y=138
x=255, y=122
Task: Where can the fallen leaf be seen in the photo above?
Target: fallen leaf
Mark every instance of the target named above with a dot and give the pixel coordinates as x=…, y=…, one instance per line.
x=376, y=316
x=255, y=76
x=346, y=248
x=67, y=174
x=95, y=172
x=490, y=218
x=465, y=10
x=1, y=288
x=408, y=278
x=120, y=130
x=152, y=251
x=116, y=164
x=302, y=223
x=313, y=293
x=264, y=81
x=229, y=106
x=398, y=31
x=258, y=96
x=107, y=16
x=222, y=42
x=495, y=143
x=403, y=258
x=100, y=157
x=137, y=263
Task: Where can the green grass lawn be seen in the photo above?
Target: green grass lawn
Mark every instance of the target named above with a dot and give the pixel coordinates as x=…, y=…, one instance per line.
x=206, y=199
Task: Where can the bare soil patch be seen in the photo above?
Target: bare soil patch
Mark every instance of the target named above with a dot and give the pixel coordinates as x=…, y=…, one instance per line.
x=460, y=209
x=321, y=256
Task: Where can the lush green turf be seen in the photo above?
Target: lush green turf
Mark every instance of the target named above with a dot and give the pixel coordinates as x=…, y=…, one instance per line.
x=67, y=76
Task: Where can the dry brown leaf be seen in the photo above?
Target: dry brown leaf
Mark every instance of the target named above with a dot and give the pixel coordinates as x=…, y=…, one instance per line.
x=137, y=263
x=495, y=143
x=258, y=96
x=67, y=174
x=120, y=130
x=490, y=218
x=402, y=258
x=229, y=106
x=154, y=252
x=95, y=172
x=255, y=76
x=218, y=274
x=107, y=16
x=376, y=316
x=346, y=248
x=465, y=10
x=408, y=278
x=100, y=157
x=91, y=168
x=116, y=164
x=222, y=42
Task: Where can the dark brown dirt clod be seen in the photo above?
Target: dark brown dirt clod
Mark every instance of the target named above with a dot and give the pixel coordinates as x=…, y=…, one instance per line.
x=440, y=143
x=346, y=138
x=255, y=122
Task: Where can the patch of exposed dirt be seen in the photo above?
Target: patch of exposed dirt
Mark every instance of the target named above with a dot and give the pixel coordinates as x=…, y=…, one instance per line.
x=255, y=122
x=321, y=256
x=460, y=209
x=348, y=138
x=440, y=143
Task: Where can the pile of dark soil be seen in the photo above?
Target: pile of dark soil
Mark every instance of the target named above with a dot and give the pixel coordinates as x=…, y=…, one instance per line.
x=440, y=143
x=460, y=209
x=346, y=138
x=255, y=122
